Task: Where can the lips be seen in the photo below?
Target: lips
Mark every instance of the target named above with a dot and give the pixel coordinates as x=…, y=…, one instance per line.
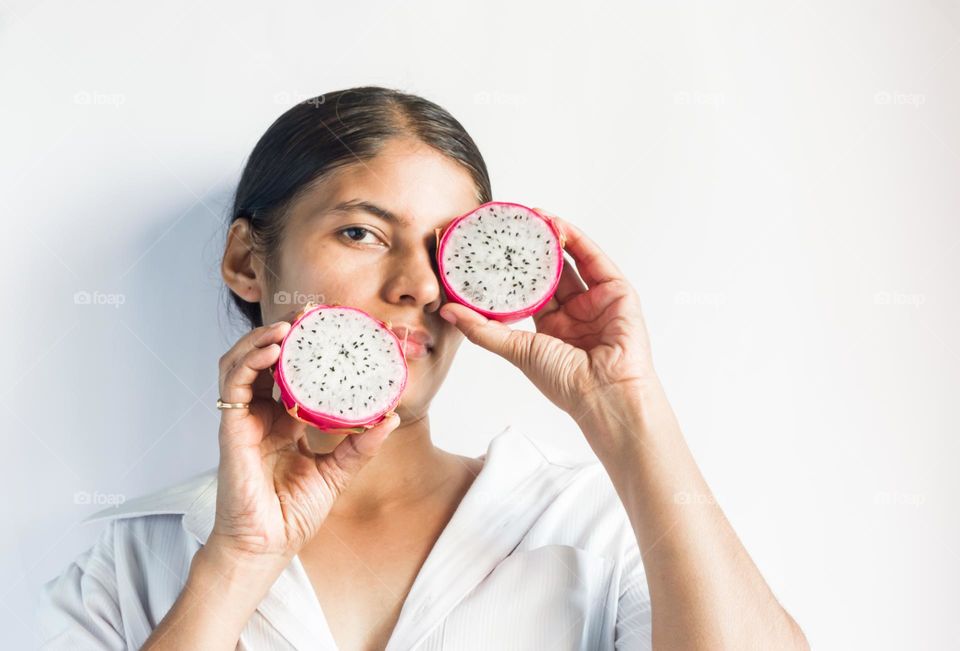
x=413, y=350
x=417, y=342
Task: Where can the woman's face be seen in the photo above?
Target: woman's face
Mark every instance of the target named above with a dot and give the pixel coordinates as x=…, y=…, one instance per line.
x=378, y=256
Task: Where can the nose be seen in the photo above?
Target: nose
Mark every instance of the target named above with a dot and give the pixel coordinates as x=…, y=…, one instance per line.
x=413, y=280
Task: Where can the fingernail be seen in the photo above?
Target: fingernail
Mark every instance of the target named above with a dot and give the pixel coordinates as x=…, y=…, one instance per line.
x=393, y=416
x=447, y=315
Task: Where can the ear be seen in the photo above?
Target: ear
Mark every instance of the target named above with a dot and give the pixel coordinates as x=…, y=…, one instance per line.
x=241, y=269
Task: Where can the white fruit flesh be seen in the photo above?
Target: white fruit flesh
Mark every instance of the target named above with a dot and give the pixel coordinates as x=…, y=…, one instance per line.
x=338, y=362
x=503, y=258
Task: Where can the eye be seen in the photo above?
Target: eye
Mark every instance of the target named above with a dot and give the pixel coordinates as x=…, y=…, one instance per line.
x=356, y=233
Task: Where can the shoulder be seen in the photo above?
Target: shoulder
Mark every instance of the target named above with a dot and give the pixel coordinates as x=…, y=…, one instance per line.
x=583, y=509
x=571, y=472
x=161, y=523
x=176, y=499
x=158, y=524
x=164, y=528
x=150, y=534
x=587, y=521
x=130, y=575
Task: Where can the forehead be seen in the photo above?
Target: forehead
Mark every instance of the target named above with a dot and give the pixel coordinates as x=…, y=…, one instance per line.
x=408, y=178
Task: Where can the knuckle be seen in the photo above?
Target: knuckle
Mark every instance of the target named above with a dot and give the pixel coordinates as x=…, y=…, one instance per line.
x=335, y=478
x=226, y=367
x=516, y=344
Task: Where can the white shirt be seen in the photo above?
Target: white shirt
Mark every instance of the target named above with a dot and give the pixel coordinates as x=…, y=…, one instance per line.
x=539, y=554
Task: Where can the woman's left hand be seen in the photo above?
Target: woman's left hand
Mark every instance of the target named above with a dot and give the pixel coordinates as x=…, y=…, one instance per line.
x=589, y=339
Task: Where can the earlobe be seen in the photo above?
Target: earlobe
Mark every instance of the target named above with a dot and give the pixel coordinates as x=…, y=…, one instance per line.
x=238, y=265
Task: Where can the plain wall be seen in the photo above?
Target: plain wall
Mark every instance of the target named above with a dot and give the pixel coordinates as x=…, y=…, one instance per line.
x=779, y=182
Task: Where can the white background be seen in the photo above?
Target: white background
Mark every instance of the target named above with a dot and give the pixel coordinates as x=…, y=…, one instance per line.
x=778, y=180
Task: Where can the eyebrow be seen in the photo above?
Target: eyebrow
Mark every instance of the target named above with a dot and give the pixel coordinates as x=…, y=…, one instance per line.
x=371, y=208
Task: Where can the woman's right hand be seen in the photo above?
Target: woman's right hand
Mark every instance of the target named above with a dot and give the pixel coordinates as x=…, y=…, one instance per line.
x=273, y=493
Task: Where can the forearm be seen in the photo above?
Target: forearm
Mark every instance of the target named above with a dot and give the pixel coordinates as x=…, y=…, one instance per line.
x=705, y=590
x=220, y=595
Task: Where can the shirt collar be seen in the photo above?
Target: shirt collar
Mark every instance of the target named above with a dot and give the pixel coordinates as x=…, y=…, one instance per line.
x=189, y=496
x=517, y=482
x=196, y=497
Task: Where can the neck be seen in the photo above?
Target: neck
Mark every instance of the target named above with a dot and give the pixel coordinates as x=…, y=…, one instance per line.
x=407, y=468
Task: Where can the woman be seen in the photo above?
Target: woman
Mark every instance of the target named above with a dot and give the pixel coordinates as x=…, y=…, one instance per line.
x=302, y=539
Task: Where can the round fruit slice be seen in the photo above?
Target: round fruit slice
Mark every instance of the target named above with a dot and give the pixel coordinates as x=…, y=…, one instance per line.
x=501, y=259
x=340, y=369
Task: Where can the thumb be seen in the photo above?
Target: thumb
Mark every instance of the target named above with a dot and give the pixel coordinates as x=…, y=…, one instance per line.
x=487, y=333
x=352, y=453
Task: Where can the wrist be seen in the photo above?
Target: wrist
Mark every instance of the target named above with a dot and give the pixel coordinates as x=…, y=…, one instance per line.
x=239, y=581
x=622, y=417
x=222, y=591
x=234, y=567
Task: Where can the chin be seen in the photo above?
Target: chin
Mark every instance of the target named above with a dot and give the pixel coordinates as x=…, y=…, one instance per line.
x=321, y=442
x=414, y=410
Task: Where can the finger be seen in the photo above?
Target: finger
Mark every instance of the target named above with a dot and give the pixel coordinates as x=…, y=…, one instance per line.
x=588, y=306
x=540, y=315
x=551, y=306
x=237, y=383
x=570, y=283
x=593, y=264
x=262, y=336
x=356, y=450
x=553, y=218
x=487, y=333
x=256, y=338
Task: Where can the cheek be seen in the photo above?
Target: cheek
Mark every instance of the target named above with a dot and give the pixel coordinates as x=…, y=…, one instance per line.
x=454, y=335
x=447, y=352
x=329, y=275
x=427, y=375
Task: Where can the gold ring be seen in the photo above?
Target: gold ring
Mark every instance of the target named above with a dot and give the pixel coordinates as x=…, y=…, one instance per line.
x=232, y=405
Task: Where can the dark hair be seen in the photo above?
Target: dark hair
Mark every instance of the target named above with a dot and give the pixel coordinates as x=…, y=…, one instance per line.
x=323, y=134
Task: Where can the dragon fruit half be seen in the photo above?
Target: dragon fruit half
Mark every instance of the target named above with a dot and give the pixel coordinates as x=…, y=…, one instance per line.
x=340, y=369
x=501, y=259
